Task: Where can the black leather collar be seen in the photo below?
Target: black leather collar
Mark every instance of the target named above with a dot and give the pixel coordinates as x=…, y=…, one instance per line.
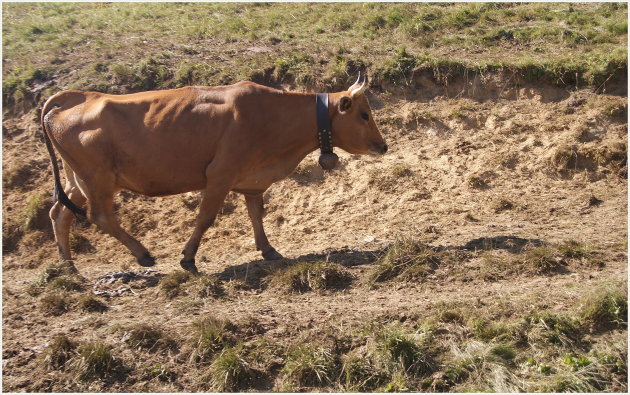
x=324, y=132
x=327, y=159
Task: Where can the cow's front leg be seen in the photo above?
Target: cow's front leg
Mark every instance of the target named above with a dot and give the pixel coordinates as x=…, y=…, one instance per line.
x=255, y=209
x=210, y=204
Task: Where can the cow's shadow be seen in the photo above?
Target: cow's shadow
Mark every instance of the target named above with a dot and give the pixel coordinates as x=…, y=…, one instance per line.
x=512, y=244
x=253, y=273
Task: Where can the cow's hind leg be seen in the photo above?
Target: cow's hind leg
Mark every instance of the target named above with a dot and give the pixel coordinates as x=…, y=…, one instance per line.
x=62, y=218
x=256, y=210
x=101, y=213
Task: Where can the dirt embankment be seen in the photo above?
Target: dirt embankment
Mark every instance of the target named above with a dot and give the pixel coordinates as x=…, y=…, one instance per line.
x=480, y=164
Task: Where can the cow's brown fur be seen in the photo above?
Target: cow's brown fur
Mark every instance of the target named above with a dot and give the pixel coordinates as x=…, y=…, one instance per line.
x=242, y=138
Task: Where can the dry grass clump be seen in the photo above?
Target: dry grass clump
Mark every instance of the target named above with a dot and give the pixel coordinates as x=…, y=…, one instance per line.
x=171, y=284
x=406, y=259
x=479, y=367
x=575, y=249
x=212, y=336
x=311, y=276
x=407, y=352
x=391, y=359
x=401, y=171
x=389, y=180
x=606, y=307
x=502, y=205
x=566, y=157
x=541, y=260
x=229, y=371
x=55, y=270
x=60, y=350
x=204, y=286
x=55, y=304
x=58, y=276
x=93, y=361
x=35, y=214
x=542, y=329
x=91, y=304
x=495, y=267
x=308, y=366
x=148, y=337
x=65, y=283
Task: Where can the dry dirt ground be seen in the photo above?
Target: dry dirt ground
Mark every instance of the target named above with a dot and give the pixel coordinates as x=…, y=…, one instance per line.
x=508, y=169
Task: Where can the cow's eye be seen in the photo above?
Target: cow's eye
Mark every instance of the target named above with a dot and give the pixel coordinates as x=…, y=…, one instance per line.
x=365, y=116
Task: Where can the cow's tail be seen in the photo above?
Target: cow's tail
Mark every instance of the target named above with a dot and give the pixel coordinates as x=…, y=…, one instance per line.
x=59, y=194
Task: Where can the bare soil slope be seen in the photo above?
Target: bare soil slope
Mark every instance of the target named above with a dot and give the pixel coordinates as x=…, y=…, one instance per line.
x=490, y=176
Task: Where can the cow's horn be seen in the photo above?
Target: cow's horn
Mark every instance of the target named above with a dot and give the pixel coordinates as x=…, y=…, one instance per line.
x=359, y=90
x=356, y=84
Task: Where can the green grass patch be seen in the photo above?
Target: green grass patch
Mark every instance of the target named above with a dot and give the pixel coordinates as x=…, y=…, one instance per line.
x=308, y=366
x=128, y=47
x=211, y=336
x=606, y=307
x=229, y=371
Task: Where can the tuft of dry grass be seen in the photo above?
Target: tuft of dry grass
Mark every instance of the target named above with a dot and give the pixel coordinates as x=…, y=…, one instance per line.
x=476, y=182
x=405, y=259
x=65, y=283
x=204, y=286
x=171, y=284
x=93, y=361
x=54, y=304
x=542, y=260
x=212, y=335
x=60, y=350
x=91, y=304
x=311, y=276
x=55, y=270
x=80, y=244
x=606, y=307
x=35, y=214
x=229, y=371
x=308, y=366
x=149, y=337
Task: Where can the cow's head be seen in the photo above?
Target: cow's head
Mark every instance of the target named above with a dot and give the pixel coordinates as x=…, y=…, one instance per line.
x=354, y=129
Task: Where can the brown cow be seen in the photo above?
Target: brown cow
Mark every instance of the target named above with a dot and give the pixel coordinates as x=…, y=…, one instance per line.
x=242, y=138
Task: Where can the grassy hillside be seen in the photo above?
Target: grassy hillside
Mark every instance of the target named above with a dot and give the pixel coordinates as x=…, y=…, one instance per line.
x=129, y=47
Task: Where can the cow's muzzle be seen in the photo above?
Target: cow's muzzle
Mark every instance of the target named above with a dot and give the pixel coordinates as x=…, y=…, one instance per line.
x=379, y=149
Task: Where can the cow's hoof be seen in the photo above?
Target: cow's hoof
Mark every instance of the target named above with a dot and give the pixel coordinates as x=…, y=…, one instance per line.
x=146, y=261
x=189, y=265
x=272, y=255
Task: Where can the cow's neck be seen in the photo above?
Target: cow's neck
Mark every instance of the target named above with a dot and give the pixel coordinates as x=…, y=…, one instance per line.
x=299, y=111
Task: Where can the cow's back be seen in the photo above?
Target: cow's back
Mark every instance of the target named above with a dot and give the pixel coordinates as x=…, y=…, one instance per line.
x=157, y=142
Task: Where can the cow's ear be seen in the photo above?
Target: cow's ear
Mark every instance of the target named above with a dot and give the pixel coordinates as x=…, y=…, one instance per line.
x=344, y=104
